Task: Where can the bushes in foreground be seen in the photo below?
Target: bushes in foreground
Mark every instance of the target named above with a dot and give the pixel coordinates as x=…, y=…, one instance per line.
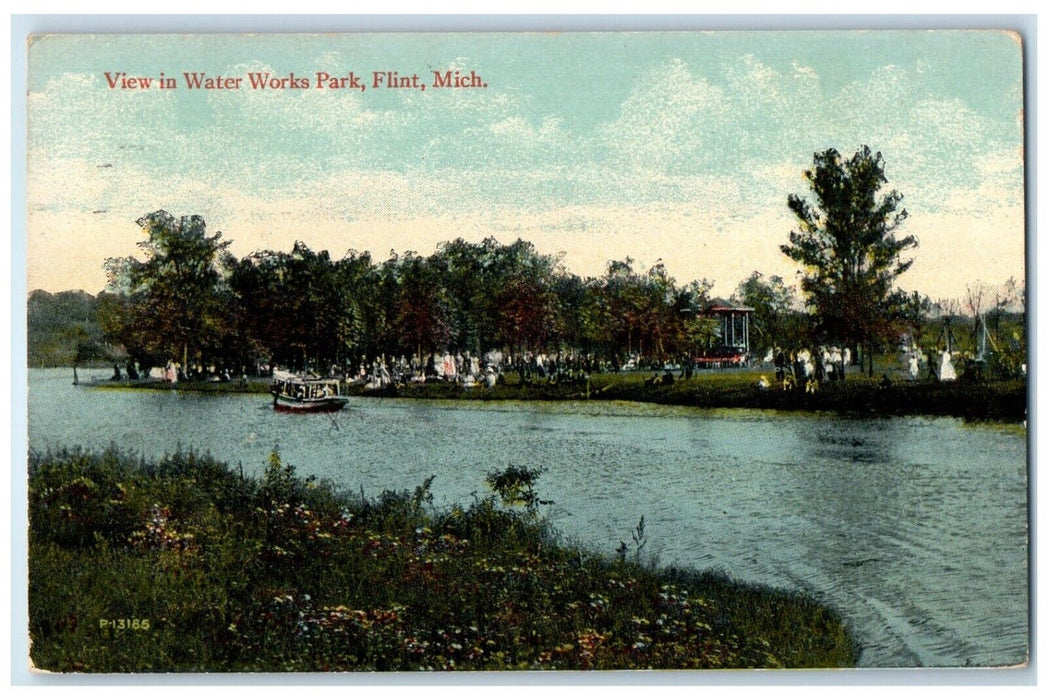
x=183, y=565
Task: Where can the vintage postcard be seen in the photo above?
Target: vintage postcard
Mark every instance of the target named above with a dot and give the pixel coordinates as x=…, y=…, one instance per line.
x=526, y=351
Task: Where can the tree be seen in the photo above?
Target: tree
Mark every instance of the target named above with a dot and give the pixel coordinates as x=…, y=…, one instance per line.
x=847, y=244
x=466, y=269
x=424, y=316
x=661, y=323
x=698, y=330
x=772, y=303
x=175, y=305
x=701, y=331
x=525, y=307
x=623, y=288
x=63, y=328
x=914, y=311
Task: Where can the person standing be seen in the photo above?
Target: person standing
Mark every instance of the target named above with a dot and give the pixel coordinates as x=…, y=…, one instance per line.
x=946, y=371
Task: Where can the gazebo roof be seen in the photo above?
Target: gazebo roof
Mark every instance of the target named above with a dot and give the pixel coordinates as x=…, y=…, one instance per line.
x=720, y=305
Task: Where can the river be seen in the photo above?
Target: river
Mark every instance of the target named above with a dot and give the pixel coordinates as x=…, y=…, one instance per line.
x=915, y=528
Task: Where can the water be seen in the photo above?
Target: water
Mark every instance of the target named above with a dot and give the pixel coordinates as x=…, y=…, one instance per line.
x=915, y=529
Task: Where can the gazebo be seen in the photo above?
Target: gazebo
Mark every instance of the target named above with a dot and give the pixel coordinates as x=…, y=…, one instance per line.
x=734, y=322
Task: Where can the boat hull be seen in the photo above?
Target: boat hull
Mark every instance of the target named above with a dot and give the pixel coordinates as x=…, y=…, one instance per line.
x=330, y=404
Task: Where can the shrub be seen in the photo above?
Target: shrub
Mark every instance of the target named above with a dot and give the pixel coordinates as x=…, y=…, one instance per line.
x=285, y=574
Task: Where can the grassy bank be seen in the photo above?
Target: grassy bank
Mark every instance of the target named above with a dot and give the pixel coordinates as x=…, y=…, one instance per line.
x=184, y=565
x=997, y=400
x=983, y=400
x=989, y=400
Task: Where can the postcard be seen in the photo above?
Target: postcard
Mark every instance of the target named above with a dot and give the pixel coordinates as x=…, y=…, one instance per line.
x=438, y=352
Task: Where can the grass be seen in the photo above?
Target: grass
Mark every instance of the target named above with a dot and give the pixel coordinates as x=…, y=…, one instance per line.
x=183, y=565
x=996, y=400
x=990, y=400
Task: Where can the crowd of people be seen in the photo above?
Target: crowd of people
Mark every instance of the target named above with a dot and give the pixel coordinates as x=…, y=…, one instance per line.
x=470, y=370
x=936, y=365
x=801, y=368
x=805, y=369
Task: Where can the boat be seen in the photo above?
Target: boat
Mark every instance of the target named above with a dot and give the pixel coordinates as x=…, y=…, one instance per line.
x=299, y=395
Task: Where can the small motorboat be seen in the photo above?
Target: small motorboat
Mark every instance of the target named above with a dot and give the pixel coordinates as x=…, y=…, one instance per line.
x=299, y=395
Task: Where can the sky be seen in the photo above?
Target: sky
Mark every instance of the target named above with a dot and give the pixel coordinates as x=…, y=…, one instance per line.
x=672, y=147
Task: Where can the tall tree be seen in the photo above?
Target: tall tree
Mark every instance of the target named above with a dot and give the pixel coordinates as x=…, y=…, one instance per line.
x=623, y=288
x=424, y=316
x=662, y=323
x=847, y=244
x=698, y=330
x=176, y=304
x=525, y=306
x=772, y=302
x=465, y=269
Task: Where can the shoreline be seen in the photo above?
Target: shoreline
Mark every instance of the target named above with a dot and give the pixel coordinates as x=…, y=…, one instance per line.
x=993, y=401
x=219, y=572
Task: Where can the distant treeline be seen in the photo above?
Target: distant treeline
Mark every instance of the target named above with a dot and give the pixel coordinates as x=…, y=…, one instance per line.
x=191, y=301
x=62, y=330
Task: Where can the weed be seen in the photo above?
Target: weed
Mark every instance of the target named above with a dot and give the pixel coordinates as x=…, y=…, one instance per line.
x=181, y=565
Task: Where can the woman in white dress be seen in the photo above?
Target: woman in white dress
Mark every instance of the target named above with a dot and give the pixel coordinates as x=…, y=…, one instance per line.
x=946, y=370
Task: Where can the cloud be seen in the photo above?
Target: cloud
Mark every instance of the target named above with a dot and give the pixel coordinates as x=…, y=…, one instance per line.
x=693, y=165
x=661, y=124
x=75, y=114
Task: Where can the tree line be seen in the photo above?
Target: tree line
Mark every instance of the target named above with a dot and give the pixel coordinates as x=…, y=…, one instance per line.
x=191, y=301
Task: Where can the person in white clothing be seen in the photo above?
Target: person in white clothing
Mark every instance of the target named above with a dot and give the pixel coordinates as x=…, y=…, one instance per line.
x=946, y=370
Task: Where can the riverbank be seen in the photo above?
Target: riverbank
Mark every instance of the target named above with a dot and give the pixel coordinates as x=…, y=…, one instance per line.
x=1003, y=401
x=184, y=565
